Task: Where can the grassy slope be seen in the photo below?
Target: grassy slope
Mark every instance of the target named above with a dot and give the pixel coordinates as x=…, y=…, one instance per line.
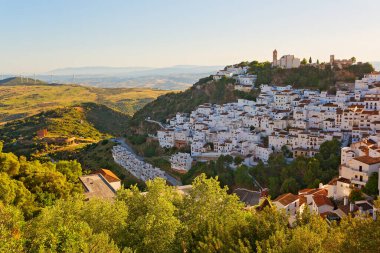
x=89, y=121
x=19, y=99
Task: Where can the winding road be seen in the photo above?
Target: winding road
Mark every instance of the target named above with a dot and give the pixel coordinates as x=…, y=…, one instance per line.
x=155, y=122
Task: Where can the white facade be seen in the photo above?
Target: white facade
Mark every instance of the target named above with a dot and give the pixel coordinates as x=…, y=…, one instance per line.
x=286, y=61
x=181, y=161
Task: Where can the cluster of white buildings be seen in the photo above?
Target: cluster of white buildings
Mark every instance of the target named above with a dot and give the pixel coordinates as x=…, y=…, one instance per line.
x=357, y=116
x=358, y=162
x=320, y=201
x=140, y=169
x=299, y=119
x=181, y=162
x=244, y=81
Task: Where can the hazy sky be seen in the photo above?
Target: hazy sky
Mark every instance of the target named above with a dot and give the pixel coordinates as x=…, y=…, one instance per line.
x=40, y=35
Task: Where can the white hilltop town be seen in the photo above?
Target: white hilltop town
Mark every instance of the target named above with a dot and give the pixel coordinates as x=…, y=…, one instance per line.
x=298, y=120
x=282, y=118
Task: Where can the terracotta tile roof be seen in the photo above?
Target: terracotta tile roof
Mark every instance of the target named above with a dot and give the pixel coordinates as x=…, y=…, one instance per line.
x=286, y=199
x=315, y=191
x=302, y=200
x=333, y=181
x=305, y=191
x=321, y=200
x=107, y=174
x=368, y=159
x=344, y=180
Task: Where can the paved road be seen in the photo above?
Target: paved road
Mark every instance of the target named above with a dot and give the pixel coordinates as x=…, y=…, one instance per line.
x=155, y=122
x=121, y=141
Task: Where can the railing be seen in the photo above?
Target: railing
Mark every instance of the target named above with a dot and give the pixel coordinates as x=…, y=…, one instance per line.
x=356, y=181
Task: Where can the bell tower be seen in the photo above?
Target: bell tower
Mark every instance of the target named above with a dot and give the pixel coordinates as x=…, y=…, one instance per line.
x=332, y=59
x=274, y=63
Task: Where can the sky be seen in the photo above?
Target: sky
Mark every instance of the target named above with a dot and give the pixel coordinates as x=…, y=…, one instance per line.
x=42, y=35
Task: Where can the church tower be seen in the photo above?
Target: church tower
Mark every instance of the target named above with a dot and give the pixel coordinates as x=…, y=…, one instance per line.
x=332, y=59
x=274, y=63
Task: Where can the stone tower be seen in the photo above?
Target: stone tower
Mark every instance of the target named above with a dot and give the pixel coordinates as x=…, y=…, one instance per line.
x=274, y=63
x=332, y=59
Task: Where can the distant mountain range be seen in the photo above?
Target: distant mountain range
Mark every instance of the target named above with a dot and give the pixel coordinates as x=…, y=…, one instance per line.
x=134, y=71
x=178, y=77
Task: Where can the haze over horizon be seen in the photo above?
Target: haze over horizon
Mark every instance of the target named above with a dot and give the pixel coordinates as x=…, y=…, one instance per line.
x=41, y=36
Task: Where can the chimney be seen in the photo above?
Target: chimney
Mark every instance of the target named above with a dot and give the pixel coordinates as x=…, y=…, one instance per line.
x=374, y=215
x=320, y=185
x=345, y=201
x=352, y=207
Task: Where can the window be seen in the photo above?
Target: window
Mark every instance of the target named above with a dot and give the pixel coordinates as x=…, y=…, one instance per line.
x=360, y=168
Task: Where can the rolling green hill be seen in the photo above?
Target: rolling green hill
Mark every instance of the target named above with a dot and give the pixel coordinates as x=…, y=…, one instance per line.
x=20, y=98
x=88, y=122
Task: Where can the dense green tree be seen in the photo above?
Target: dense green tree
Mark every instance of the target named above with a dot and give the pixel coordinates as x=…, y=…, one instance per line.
x=243, y=178
x=304, y=61
x=310, y=60
x=312, y=172
x=213, y=220
x=153, y=224
x=9, y=163
x=265, y=223
x=238, y=160
x=11, y=226
x=290, y=185
x=60, y=228
x=71, y=169
x=356, y=195
x=13, y=192
x=371, y=186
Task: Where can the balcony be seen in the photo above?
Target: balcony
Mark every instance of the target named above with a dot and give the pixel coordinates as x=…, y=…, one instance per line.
x=357, y=181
